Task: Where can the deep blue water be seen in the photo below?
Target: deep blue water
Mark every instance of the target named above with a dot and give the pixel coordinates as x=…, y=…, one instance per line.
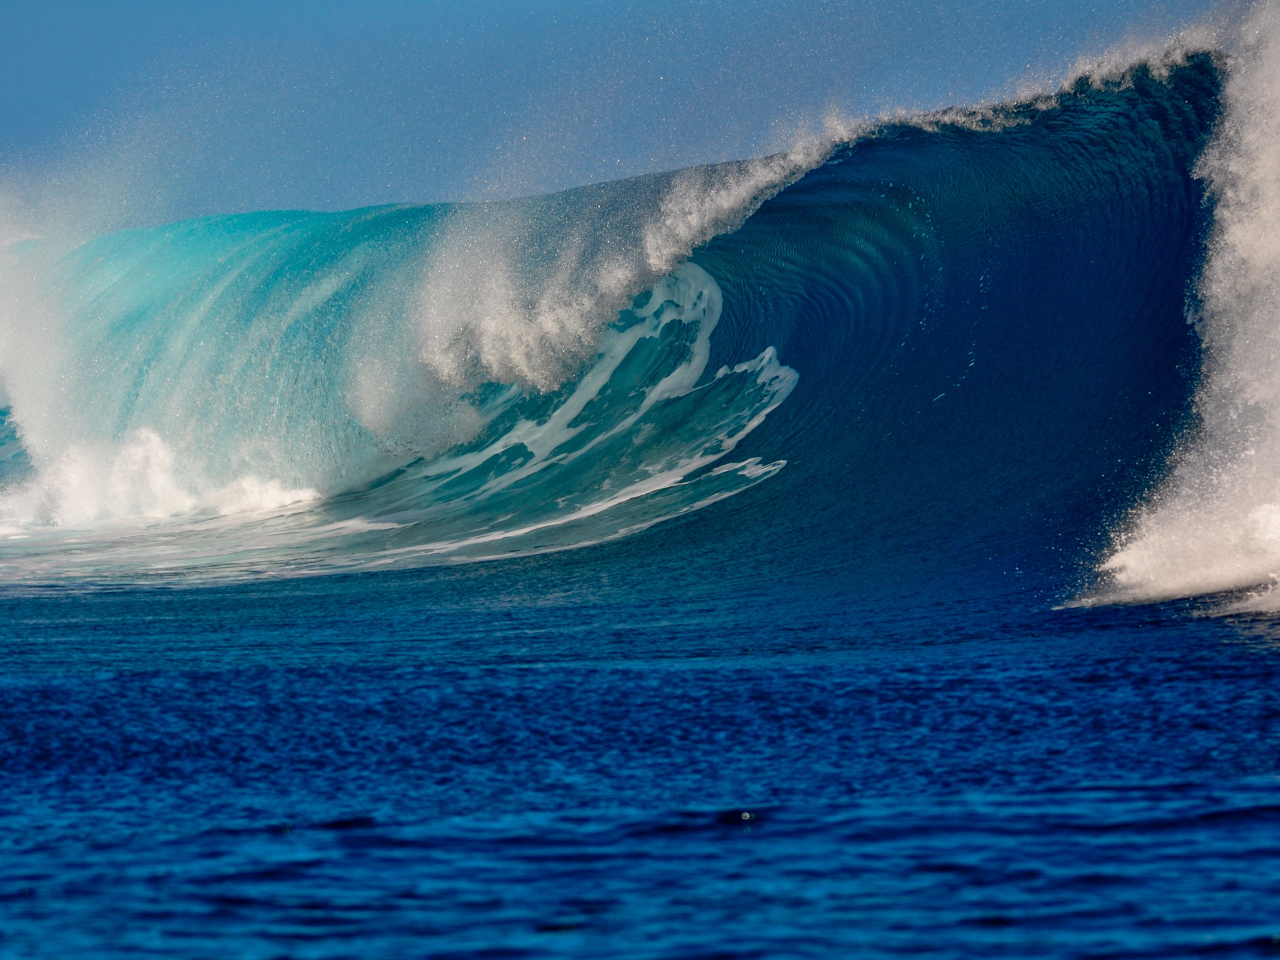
x=834, y=700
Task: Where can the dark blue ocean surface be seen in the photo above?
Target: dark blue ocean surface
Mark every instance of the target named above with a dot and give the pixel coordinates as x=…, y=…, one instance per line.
x=820, y=689
x=341, y=768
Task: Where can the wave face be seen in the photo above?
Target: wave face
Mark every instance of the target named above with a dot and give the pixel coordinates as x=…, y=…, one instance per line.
x=962, y=334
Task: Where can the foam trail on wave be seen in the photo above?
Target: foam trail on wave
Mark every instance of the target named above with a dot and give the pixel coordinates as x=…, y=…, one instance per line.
x=1214, y=524
x=640, y=436
x=310, y=353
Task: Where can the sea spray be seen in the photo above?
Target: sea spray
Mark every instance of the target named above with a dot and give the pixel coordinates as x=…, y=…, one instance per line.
x=1214, y=525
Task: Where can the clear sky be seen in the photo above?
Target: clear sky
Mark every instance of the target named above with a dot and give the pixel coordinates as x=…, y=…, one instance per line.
x=236, y=105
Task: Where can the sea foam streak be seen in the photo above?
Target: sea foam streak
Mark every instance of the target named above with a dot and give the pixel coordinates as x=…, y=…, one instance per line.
x=637, y=438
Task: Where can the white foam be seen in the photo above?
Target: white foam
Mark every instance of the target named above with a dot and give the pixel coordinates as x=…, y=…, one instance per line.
x=483, y=317
x=137, y=480
x=1161, y=55
x=504, y=300
x=251, y=495
x=1214, y=525
x=703, y=201
x=689, y=295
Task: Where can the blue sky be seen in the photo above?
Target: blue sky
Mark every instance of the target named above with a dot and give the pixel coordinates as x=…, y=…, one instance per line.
x=326, y=105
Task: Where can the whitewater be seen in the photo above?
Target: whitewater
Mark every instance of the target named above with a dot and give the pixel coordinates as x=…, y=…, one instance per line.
x=1211, y=527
